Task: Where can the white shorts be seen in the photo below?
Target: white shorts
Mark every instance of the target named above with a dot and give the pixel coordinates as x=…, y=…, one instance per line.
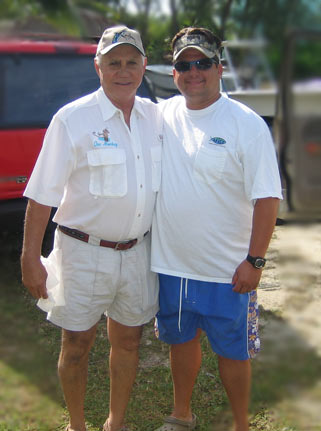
x=97, y=280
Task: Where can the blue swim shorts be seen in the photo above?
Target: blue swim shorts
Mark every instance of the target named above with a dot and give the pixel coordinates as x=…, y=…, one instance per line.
x=229, y=319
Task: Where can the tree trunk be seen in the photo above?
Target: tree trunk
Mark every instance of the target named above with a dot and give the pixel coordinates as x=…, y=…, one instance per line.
x=174, y=28
x=225, y=15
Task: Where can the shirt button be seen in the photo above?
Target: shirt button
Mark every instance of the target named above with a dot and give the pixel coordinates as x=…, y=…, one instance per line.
x=141, y=186
x=138, y=156
x=138, y=215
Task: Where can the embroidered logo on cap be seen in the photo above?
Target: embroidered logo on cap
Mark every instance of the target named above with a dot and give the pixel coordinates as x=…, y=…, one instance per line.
x=125, y=35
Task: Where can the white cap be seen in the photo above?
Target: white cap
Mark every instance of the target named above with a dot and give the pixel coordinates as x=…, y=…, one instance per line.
x=119, y=35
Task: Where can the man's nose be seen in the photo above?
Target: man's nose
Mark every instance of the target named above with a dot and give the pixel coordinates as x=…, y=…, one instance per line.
x=123, y=67
x=194, y=69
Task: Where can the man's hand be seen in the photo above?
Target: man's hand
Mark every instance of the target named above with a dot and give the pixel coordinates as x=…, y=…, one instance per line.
x=246, y=278
x=34, y=276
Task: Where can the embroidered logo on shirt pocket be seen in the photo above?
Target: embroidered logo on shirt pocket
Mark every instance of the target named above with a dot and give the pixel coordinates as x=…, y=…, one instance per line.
x=209, y=164
x=108, y=172
x=156, y=155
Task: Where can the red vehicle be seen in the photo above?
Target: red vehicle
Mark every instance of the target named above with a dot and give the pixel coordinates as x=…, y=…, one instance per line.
x=37, y=77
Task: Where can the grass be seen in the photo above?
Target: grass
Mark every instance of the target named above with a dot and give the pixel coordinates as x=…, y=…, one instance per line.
x=31, y=399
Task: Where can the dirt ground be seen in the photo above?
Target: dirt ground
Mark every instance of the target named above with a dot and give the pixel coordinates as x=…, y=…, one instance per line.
x=291, y=288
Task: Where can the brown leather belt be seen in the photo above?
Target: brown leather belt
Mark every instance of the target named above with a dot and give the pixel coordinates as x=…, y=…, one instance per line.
x=82, y=236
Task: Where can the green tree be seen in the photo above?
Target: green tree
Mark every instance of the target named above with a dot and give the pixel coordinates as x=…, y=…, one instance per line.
x=213, y=14
x=273, y=18
x=226, y=18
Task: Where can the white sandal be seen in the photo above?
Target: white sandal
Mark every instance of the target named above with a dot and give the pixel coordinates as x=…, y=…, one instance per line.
x=106, y=427
x=69, y=429
x=174, y=424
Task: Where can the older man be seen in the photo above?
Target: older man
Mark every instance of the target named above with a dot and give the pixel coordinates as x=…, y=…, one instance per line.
x=215, y=215
x=100, y=165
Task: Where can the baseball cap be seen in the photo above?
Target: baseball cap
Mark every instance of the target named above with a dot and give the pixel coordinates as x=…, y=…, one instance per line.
x=196, y=41
x=119, y=35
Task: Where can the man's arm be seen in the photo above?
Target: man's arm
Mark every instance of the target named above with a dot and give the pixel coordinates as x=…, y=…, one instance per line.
x=246, y=277
x=34, y=274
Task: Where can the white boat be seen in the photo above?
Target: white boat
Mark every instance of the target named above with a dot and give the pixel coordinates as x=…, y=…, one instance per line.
x=160, y=77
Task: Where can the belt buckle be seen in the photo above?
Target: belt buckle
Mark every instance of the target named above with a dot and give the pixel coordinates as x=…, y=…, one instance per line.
x=93, y=240
x=120, y=243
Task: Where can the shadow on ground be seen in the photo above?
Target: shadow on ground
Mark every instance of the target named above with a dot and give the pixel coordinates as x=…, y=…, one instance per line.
x=285, y=374
x=28, y=380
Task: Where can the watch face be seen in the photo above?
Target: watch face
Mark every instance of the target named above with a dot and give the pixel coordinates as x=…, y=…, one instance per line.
x=259, y=263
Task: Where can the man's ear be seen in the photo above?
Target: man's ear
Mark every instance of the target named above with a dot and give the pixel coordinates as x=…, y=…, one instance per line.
x=220, y=69
x=145, y=63
x=174, y=72
x=97, y=68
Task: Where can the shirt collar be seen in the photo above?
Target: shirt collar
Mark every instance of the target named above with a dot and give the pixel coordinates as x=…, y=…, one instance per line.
x=138, y=106
x=108, y=110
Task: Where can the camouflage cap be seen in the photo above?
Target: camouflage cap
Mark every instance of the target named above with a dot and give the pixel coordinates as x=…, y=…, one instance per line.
x=196, y=41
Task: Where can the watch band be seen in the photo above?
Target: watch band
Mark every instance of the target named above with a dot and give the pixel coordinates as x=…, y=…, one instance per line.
x=257, y=262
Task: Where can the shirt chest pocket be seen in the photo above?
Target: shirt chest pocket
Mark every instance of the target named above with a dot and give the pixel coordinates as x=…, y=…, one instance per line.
x=108, y=172
x=209, y=164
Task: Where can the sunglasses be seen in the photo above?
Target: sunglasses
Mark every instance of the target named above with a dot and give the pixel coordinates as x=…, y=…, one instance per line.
x=203, y=64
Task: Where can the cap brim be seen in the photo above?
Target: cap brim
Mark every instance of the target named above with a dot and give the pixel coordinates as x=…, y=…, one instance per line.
x=114, y=45
x=207, y=52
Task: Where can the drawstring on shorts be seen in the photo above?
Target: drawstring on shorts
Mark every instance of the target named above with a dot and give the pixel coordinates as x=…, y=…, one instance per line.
x=180, y=301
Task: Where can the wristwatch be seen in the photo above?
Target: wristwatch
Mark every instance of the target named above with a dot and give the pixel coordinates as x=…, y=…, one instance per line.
x=257, y=261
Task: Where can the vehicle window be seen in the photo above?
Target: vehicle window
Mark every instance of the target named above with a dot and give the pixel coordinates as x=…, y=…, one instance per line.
x=145, y=91
x=34, y=87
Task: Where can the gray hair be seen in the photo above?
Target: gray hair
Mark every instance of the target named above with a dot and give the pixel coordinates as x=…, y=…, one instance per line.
x=99, y=57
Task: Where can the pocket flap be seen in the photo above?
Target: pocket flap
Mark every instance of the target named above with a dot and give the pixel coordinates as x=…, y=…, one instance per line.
x=106, y=157
x=156, y=153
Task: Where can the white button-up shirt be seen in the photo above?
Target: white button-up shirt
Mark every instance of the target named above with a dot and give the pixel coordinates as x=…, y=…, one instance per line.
x=102, y=176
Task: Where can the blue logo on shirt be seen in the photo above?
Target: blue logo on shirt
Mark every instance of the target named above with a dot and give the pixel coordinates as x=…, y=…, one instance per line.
x=218, y=141
x=103, y=139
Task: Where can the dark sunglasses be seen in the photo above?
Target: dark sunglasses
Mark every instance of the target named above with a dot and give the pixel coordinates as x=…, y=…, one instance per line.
x=203, y=64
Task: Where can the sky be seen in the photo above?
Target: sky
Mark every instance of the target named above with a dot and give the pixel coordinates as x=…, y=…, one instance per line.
x=164, y=6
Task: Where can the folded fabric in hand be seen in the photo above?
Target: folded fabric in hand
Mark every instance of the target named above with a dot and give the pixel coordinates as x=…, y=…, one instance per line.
x=54, y=285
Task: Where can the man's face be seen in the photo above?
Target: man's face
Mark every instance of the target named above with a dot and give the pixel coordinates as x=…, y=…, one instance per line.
x=121, y=72
x=200, y=87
